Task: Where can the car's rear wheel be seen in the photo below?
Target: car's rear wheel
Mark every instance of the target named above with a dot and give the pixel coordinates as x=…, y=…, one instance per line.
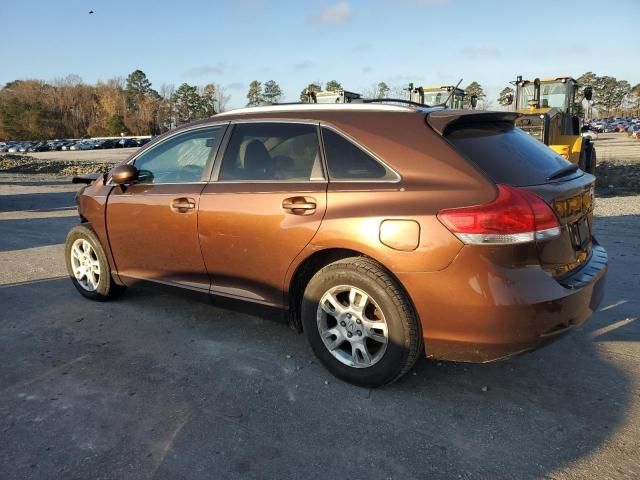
x=359, y=322
x=88, y=266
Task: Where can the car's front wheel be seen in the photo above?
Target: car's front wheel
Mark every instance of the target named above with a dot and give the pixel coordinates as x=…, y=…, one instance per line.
x=88, y=266
x=360, y=323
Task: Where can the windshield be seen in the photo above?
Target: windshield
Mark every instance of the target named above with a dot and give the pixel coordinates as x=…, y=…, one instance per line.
x=552, y=95
x=435, y=98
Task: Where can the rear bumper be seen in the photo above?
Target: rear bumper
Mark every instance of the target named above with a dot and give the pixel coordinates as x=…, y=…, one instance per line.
x=478, y=311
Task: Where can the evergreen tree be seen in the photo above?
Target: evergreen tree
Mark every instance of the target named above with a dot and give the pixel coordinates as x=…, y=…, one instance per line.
x=333, y=85
x=504, y=96
x=272, y=92
x=254, y=95
x=312, y=87
x=187, y=103
x=474, y=88
x=382, y=90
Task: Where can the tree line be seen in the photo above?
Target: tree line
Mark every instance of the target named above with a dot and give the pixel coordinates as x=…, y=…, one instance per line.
x=70, y=108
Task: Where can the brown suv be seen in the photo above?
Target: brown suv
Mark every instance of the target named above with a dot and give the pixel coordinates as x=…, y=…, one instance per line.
x=385, y=231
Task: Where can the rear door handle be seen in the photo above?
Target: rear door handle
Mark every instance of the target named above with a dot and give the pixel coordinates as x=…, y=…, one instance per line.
x=299, y=205
x=183, y=205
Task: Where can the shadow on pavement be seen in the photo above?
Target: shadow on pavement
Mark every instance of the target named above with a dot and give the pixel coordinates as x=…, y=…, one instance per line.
x=34, y=232
x=41, y=202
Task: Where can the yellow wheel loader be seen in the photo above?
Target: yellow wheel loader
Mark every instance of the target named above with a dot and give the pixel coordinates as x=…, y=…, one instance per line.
x=550, y=113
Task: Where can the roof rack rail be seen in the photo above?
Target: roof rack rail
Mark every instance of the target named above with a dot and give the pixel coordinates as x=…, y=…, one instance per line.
x=277, y=104
x=396, y=100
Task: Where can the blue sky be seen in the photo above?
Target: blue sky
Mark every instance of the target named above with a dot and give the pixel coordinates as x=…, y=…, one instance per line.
x=357, y=42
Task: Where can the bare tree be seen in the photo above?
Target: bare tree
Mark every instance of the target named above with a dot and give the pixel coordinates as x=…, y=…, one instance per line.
x=222, y=98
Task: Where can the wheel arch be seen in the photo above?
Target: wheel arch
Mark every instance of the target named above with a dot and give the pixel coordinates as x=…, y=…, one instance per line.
x=313, y=263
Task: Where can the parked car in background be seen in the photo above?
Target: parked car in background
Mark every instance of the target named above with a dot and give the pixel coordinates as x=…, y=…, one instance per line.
x=105, y=144
x=83, y=145
x=127, y=143
x=379, y=256
x=632, y=128
x=40, y=147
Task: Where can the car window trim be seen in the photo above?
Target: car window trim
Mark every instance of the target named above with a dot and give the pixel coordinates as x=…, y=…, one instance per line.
x=350, y=139
x=206, y=171
x=215, y=175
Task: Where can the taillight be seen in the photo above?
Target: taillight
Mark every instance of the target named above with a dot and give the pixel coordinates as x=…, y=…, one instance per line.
x=515, y=216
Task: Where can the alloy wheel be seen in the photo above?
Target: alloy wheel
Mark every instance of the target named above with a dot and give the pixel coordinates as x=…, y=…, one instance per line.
x=352, y=326
x=85, y=265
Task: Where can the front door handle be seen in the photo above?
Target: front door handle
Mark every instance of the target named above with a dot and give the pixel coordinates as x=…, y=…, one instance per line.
x=299, y=205
x=183, y=205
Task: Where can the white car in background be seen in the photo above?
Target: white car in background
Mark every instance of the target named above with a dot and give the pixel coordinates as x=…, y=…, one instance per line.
x=83, y=146
x=590, y=134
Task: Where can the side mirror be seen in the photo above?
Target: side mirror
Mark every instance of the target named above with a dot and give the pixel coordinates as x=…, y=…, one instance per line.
x=588, y=93
x=474, y=101
x=124, y=174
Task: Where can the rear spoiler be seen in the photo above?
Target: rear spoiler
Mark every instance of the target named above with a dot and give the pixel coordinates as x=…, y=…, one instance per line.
x=87, y=178
x=441, y=120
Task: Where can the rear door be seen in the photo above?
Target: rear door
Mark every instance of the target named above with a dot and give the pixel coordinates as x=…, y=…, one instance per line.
x=153, y=224
x=512, y=157
x=264, y=205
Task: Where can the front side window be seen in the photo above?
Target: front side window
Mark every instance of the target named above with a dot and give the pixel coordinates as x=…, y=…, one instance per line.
x=181, y=159
x=347, y=161
x=272, y=151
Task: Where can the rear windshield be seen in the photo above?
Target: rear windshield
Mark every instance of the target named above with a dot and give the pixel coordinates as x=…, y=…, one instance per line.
x=507, y=154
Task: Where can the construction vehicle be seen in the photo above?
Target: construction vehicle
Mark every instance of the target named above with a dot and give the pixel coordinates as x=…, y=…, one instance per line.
x=549, y=112
x=447, y=96
x=332, y=96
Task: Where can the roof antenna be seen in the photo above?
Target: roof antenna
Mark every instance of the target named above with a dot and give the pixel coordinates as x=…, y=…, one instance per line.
x=444, y=104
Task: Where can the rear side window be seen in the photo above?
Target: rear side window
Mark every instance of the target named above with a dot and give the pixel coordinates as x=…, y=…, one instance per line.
x=347, y=161
x=272, y=152
x=507, y=154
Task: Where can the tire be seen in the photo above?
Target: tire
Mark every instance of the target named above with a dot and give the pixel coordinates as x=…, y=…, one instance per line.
x=587, y=161
x=97, y=284
x=347, y=281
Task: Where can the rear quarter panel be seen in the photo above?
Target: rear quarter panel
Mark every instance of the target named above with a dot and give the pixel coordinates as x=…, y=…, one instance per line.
x=433, y=177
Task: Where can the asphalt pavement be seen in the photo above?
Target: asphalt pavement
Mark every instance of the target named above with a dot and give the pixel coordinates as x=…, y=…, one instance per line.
x=161, y=385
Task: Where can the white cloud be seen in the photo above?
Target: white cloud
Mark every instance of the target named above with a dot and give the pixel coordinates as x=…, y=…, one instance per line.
x=305, y=65
x=203, y=70
x=473, y=53
x=341, y=12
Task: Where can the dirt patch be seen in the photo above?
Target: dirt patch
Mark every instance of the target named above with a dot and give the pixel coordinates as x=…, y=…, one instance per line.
x=25, y=164
x=617, y=177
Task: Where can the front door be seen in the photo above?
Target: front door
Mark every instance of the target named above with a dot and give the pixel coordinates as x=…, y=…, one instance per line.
x=264, y=207
x=153, y=224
